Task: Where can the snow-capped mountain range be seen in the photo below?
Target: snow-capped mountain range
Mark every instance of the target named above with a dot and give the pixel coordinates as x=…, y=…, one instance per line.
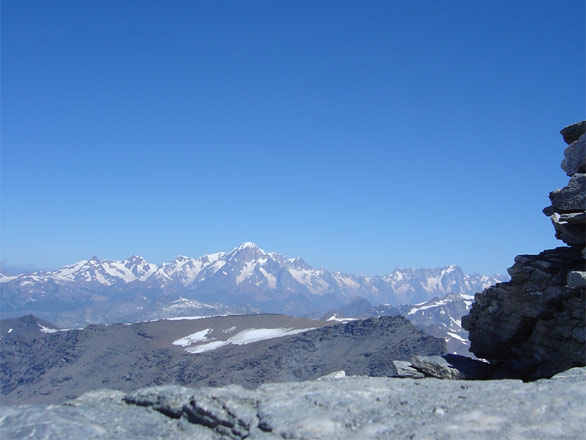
x=245, y=275
x=439, y=317
x=442, y=317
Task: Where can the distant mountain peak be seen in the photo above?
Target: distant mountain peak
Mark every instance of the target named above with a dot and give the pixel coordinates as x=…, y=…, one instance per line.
x=248, y=245
x=135, y=258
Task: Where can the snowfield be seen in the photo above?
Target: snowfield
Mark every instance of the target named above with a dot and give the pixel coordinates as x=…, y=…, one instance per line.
x=241, y=338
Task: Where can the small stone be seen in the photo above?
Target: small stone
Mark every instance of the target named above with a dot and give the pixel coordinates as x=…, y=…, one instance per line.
x=452, y=366
x=404, y=369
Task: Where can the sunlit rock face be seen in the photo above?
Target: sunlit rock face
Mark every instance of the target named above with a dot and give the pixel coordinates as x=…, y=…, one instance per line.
x=534, y=324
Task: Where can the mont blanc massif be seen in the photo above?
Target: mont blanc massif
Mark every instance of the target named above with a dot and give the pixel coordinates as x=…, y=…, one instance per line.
x=246, y=279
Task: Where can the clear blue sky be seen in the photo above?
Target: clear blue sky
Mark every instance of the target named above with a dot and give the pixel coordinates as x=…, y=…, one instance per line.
x=359, y=135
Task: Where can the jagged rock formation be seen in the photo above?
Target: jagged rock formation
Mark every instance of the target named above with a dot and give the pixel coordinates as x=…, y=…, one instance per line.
x=535, y=324
x=345, y=408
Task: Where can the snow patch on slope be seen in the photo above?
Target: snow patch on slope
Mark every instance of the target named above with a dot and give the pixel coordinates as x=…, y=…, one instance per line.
x=241, y=338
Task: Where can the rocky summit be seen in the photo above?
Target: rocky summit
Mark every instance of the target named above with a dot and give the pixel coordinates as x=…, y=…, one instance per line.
x=534, y=325
x=345, y=408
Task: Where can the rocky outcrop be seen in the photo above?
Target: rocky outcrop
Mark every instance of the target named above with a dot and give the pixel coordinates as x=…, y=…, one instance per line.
x=345, y=408
x=534, y=325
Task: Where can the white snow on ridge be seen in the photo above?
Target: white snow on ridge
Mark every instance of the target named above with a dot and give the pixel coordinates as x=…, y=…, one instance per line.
x=246, y=272
x=271, y=279
x=47, y=329
x=194, y=338
x=180, y=318
x=334, y=317
x=184, y=303
x=67, y=272
x=458, y=337
x=309, y=278
x=7, y=278
x=343, y=280
x=259, y=334
x=241, y=338
x=419, y=307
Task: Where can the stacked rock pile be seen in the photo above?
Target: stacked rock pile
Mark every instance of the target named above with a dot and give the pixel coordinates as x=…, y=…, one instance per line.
x=568, y=203
x=534, y=325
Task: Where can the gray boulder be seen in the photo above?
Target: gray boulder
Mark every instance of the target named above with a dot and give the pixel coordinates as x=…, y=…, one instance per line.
x=452, y=366
x=572, y=132
x=405, y=369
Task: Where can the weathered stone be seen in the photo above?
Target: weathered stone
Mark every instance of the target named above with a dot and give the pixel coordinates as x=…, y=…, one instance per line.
x=526, y=325
x=570, y=227
x=435, y=366
x=100, y=414
x=575, y=157
x=348, y=408
x=167, y=399
x=572, y=132
x=571, y=197
x=452, y=366
x=404, y=369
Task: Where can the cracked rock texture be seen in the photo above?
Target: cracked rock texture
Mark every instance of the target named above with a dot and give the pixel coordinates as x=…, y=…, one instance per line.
x=534, y=325
x=346, y=408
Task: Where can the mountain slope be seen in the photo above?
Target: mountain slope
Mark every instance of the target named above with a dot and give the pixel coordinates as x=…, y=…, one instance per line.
x=41, y=367
x=441, y=317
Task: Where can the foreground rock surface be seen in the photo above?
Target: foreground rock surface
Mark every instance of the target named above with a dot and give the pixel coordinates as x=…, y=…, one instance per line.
x=347, y=408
